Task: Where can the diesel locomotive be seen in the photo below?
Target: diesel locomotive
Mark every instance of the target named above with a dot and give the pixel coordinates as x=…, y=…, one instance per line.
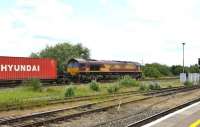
x=89, y=69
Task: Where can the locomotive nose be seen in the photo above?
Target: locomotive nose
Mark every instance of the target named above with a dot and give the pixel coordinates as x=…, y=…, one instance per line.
x=73, y=70
x=73, y=67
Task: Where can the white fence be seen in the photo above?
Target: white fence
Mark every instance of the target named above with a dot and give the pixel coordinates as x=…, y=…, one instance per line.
x=192, y=77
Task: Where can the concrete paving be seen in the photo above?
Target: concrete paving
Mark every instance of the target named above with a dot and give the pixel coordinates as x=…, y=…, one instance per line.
x=186, y=117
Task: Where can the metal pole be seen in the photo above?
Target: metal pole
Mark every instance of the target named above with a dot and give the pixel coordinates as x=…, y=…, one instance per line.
x=183, y=58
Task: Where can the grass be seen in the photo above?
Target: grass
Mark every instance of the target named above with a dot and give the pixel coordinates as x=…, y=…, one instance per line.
x=113, y=88
x=70, y=91
x=94, y=85
x=35, y=85
x=154, y=86
x=128, y=81
x=25, y=95
x=144, y=87
x=166, y=83
x=188, y=84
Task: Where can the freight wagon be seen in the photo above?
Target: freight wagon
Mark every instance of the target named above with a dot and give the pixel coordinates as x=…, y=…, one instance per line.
x=23, y=68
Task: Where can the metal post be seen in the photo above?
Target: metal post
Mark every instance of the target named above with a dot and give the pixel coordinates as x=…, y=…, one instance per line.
x=183, y=58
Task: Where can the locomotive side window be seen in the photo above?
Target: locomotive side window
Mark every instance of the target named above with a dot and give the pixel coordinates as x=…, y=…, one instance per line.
x=95, y=67
x=75, y=64
x=70, y=65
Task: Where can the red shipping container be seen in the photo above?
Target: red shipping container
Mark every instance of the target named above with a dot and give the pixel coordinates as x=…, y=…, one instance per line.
x=22, y=68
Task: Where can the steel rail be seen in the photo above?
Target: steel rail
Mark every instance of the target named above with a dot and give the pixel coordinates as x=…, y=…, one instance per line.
x=64, y=117
x=140, y=111
x=162, y=114
x=84, y=98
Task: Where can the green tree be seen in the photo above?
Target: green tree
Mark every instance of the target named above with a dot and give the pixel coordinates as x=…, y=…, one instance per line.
x=163, y=69
x=194, y=69
x=176, y=69
x=62, y=52
x=151, y=72
x=156, y=70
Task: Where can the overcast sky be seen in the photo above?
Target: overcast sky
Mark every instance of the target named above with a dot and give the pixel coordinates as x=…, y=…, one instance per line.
x=134, y=30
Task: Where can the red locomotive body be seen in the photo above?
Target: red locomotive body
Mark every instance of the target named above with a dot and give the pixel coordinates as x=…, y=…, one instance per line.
x=22, y=68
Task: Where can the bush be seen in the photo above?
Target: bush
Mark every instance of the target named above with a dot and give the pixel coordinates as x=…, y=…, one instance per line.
x=170, y=86
x=35, y=84
x=113, y=88
x=157, y=87
x=70, y=91
x=188, y=84
x=151, y=86
x=144, y=87
x=151, y=72
x=128, y=81
x=154, y=86
x=156, y=70
x=94, y=85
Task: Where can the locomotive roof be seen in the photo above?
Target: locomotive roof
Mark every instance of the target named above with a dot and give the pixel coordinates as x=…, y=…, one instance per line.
x=102, y=61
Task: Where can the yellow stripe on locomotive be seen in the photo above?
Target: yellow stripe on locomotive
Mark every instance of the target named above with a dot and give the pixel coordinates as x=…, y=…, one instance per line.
x=73, y=70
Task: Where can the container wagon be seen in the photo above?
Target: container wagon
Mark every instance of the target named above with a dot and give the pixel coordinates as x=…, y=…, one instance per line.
x=22, y=68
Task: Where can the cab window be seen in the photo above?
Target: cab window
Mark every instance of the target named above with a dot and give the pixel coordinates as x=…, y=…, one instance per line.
x=73, y=64
x=70, y=65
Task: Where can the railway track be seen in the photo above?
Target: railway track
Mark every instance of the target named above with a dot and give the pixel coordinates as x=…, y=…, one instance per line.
x=44, y=118
x=113, y=122
x=82, y=98
x=143, y=112
x=162, y=114
x=15, y=119
x=72, y=99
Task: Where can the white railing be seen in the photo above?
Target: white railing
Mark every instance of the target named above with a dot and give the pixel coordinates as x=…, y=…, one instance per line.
x=192, y=77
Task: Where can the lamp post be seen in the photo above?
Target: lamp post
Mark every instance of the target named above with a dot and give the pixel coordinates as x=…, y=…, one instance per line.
x=183, y=57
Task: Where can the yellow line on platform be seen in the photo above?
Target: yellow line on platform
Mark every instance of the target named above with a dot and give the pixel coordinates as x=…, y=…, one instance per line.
x=195, y=124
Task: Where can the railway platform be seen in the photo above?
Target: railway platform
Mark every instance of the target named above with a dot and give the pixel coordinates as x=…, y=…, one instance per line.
x=186, y=117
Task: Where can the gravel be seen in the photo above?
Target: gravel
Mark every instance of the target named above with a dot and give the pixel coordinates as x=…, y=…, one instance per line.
x=133, y=118
x=134, y=110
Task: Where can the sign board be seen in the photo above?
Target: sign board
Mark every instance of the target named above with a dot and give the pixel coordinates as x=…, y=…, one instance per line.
x=183, y=77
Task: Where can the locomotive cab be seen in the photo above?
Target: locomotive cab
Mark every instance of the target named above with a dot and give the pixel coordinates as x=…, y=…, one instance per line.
x=73, y=67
